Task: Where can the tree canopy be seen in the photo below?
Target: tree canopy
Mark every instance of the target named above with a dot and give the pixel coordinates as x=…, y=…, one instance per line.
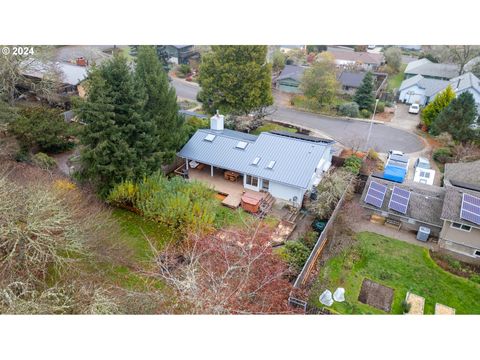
x=235, y=79
x=440, y=102
x=364, y=96
x=456, y=118
x=319, y=82
x=393, y=57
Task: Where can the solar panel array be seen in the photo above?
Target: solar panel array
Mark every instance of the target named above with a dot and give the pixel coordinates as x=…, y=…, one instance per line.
x=399, y=200
x=470, y=208
x=376, y=194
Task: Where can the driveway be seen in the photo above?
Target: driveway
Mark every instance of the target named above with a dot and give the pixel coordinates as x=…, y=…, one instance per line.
x=403, y=120
x=351, y=133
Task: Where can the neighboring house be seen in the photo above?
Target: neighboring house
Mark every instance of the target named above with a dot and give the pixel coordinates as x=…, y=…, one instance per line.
x=424, y=205
x=290, y=78
x=287, y=48
x=365, y=60
x=431, y=70
x=181, y=54
x=350, y=81
x=451, y=212
x=67, y=76
x=461, y=210
x=421, y=90
x=285, y=165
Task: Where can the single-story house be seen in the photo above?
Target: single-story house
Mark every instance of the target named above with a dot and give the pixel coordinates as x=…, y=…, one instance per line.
x=422, y=90
x=366, y=60
x=290, y=78
x=283, y=164
x=287, y=48
x=431, y=70
x=451, y=212
x=181, y=54
x=350, y=80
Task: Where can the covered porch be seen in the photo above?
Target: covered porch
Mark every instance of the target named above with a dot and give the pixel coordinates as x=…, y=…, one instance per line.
x=228, y=184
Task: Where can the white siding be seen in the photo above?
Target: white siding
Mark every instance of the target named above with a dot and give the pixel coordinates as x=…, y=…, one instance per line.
x=413, y=95
x=285, y=192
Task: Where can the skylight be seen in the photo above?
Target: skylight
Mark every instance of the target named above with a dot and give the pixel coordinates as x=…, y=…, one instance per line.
x=209, y=137
x=256, y=161
x=271, y=164
x=241, y=145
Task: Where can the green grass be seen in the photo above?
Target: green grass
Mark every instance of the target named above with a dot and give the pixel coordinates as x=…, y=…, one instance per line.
x=269, y=126
x=399, y=265
x=395, y=81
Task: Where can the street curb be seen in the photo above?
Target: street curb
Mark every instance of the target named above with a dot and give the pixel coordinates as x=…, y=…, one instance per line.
x=334, y=117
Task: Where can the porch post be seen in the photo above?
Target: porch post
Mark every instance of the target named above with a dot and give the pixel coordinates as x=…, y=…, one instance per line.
x=186, y=163
x=211, y=170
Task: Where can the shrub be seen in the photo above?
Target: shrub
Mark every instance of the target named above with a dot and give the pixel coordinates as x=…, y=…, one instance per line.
x=309, y=239
x=183, y=206
x=405, y=306
x=22, y=155
x=442, y=155
x=350, y=109
x=44, y=161
x=353, y=164
x=41, y=127
x=380, y=107
x=184, y=70
x=372, y=155
x=365, y=113
x=296, y=254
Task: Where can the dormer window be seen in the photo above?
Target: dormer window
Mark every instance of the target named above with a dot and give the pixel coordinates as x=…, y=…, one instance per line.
x=241, y=145
x=256, y=161
x=209, y=137
x=271, y=164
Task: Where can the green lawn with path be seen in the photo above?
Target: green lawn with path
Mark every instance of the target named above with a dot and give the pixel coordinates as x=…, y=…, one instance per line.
x=399, y=265
x=270, y=126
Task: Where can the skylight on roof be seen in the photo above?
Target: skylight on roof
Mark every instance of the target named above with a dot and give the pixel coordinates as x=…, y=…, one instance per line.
x=256, y=161
x=271, y=164
x=210, y=137
x=241, y=145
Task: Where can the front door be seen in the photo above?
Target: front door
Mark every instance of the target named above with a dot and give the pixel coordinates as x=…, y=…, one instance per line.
x=251, y=182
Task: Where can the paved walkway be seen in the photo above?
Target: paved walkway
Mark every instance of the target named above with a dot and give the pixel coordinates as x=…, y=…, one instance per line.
x=403, y=235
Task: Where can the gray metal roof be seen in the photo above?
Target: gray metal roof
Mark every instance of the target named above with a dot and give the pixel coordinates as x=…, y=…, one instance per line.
x=431, y=86
x=427, y=68
x=68, y=73
x=295, y=159
x=464, y=82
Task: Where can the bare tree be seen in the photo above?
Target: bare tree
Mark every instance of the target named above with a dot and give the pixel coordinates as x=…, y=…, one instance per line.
x=462, y=54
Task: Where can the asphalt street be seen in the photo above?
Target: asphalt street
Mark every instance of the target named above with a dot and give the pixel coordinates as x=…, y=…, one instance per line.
x=351, y=133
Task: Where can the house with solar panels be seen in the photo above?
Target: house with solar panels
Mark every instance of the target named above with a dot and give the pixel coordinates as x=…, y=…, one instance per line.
x=451, y=212
x=283, y=164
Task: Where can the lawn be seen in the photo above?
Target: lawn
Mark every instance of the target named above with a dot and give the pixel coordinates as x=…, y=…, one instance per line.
x=269, y=126
x=395, y=81
x=399, y=265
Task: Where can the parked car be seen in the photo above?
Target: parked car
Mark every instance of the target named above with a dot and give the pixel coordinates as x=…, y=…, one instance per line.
x=422, y=163
x=414, y=109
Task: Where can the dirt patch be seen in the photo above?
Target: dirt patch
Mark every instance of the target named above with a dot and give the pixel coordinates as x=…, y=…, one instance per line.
x=376, y=295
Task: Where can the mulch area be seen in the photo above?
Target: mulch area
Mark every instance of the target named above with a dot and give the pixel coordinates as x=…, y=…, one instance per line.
x=376, y=295
x=464, y=270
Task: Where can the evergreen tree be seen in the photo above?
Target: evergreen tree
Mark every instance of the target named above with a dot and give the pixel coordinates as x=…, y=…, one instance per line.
x=440, y=102
x=118, y=142
x=364, y=96
x=163, y=56
x=235, y=79
x=161, y=103
x=457, y=117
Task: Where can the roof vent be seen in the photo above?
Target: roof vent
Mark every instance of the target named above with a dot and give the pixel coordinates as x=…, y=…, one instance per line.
x=256, y=160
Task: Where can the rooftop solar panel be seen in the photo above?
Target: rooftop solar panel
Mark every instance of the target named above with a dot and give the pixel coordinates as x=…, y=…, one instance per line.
x=470, y=209
x=376, y=194
x=399, y=200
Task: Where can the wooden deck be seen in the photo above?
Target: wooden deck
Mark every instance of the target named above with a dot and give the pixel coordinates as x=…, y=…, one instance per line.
x=233, y=190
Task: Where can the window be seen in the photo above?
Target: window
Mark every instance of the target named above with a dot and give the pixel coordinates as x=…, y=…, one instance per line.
x=424, y=174
x=265, y=184
x=209, y=137
x=256, y=161
x=251, y=180
x=477, y=253
x=241, y=145
x=461, y=227
x=271, y=164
